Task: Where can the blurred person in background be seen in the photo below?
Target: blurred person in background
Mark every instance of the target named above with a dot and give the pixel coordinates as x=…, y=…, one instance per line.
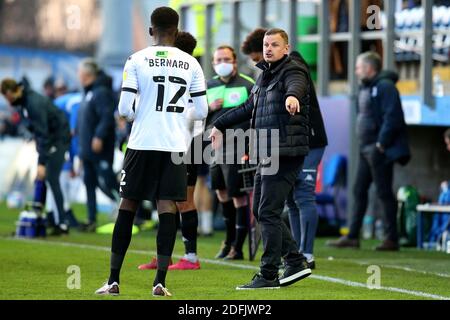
x=383, y=141
x=445, y=184
x=52, y=135
x=69, y=103
x=9, y=123
x=253, y=45
x=96, y=134
x=49, y=87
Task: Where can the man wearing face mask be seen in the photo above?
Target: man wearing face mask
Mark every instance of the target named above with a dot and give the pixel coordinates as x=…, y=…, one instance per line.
x=52, y=134
x=226, y=91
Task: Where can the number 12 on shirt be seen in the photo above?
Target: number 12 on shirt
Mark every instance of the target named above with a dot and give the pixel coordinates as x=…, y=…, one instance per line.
x=161, y=90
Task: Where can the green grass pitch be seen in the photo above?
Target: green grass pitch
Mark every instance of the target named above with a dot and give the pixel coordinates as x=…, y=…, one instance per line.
x=38, y=270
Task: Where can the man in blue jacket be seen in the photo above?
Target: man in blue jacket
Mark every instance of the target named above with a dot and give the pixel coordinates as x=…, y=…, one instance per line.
x=96, y=134
x=381, y=130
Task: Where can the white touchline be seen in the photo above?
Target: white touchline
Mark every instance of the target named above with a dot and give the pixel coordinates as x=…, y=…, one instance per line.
x=240, y=266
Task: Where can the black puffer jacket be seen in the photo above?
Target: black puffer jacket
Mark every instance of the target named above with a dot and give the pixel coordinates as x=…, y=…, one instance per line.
x=318, y=137
x=267, y=109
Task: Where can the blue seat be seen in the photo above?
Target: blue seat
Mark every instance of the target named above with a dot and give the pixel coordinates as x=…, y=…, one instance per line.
x=441, y=222
x=334, y=179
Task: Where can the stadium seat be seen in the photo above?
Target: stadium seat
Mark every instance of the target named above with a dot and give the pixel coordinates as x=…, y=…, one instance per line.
x=334, y=180
x=408, y=47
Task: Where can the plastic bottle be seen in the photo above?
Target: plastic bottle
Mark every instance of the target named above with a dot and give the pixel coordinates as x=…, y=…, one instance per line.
x=368, y=227
x=438, y=86
x=379, y=232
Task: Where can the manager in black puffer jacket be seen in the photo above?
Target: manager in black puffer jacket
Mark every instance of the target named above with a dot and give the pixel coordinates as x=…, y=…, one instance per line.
x=303, y=222
x=279, y=101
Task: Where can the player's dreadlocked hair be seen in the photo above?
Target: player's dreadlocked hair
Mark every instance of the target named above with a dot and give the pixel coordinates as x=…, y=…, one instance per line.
x=254, y=41
x=165, y=19
x=186, y=42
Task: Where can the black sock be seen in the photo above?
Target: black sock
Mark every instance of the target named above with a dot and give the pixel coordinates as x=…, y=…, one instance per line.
x=241, y=227
x=165, y=242
x=189, y=225
x=160, y=277
x=229, y=216
x=120, y=241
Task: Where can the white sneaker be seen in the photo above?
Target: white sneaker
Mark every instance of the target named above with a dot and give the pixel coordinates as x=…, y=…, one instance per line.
x=109, y=289
x=160, y=291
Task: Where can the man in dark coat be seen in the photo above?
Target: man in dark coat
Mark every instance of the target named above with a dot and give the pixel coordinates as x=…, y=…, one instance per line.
x=383, y=141
x=96, y=132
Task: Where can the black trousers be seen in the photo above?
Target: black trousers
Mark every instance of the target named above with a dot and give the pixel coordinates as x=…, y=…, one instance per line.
x=270, y=194
x=54, y=166
x=373, y=167
x=99, y=174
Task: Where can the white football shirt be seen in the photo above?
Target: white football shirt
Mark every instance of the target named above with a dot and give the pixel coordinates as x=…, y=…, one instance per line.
x=164, y=78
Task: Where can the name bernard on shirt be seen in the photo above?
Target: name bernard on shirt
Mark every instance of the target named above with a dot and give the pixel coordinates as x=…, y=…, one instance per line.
x=161, y=62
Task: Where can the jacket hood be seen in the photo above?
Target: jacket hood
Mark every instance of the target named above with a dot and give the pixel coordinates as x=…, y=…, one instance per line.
x=386, y=74
x=103, y=80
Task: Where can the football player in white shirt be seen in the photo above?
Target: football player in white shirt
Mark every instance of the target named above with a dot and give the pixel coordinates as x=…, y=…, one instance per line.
x=188, y=211
x=161, y=79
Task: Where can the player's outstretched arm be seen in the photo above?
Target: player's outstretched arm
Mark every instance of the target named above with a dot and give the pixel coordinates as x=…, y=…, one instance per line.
x=235, y=115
